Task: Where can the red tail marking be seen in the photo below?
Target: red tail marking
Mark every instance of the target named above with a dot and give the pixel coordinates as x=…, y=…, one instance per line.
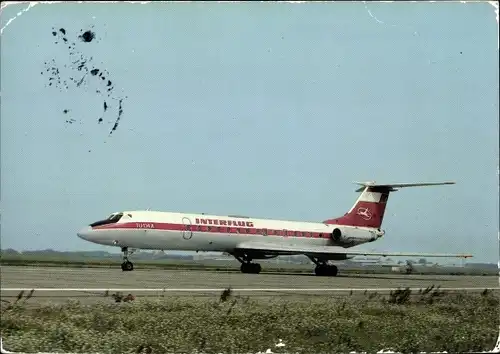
x=364, y=213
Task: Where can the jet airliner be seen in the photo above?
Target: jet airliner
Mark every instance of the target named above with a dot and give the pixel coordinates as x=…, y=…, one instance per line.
x=248, y=239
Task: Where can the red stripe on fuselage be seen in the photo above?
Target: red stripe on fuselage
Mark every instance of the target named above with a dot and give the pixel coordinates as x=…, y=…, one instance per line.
x=211, y=229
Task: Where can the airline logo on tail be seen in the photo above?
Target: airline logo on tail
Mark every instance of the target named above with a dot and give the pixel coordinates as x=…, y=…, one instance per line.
x=365, y=213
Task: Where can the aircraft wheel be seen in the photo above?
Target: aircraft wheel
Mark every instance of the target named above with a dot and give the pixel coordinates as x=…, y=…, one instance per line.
x=320, y=271
x=244, y=267
x=332, y=271
x=256, y=268
x=127, y=266
x=326, y=271
x=250, y=268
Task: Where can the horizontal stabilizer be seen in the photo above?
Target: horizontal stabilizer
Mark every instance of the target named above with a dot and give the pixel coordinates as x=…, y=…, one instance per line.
x=394, y=186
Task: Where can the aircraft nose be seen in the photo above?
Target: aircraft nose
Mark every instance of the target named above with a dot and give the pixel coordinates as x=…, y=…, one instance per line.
x=84, y=233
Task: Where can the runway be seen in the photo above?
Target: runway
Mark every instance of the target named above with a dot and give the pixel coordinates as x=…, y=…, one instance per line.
x=210, y=283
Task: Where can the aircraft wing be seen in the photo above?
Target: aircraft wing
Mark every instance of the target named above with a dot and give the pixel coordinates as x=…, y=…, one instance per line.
x=330, y=252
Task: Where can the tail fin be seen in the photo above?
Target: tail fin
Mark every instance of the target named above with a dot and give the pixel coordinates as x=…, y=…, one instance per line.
x=369, y=209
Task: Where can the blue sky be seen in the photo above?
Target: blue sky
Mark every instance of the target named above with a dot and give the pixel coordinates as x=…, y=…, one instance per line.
x=268, y=110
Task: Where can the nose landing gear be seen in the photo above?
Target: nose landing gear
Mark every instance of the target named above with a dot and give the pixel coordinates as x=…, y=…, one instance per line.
x=127, y=266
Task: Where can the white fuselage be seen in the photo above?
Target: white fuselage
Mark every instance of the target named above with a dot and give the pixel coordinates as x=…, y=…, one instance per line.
x=200, y=232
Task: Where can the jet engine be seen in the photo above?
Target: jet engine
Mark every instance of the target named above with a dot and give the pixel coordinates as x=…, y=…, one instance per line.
x=339, y=236
x=350, y=236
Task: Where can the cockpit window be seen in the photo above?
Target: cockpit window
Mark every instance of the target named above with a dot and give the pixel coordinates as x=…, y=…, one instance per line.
x=113, y=218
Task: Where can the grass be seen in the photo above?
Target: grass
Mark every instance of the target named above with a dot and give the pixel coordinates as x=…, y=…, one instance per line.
x=429, y=320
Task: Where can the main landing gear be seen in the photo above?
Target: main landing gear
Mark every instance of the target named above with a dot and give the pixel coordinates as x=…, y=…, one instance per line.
x=247, y=266
x=250, y=268
x=127, y=266
x=323, y=269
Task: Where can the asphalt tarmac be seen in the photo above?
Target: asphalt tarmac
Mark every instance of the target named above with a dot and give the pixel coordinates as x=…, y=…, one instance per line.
x=93, y=283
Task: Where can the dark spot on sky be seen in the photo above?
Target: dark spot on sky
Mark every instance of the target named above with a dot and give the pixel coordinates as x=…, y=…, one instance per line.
x=81, y=80
x=78, y=61
x=87, y=36
x=120, y=111
x=460, y=52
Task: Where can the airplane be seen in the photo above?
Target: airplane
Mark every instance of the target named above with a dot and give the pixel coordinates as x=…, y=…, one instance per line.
x=248, y=239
